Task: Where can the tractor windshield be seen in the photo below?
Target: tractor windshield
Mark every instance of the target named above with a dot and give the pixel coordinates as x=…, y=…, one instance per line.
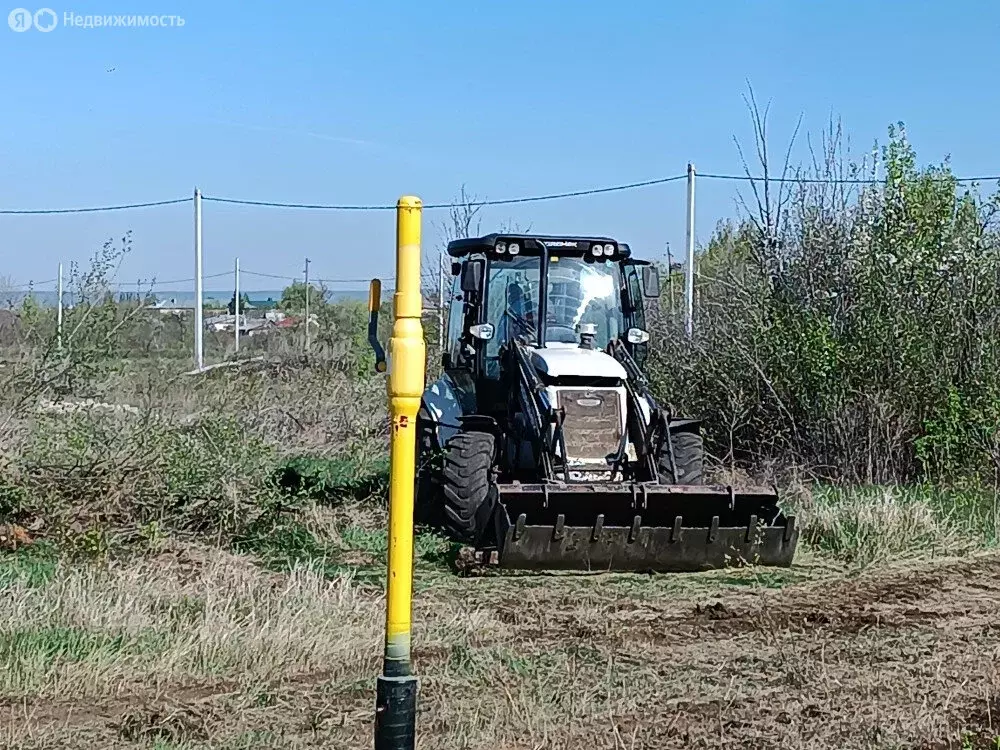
x=578, y=292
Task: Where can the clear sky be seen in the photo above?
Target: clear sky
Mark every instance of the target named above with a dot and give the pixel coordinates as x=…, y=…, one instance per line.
x=361, y=102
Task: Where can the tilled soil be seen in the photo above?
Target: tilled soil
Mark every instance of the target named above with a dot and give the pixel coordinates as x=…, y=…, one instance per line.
x=901, y=657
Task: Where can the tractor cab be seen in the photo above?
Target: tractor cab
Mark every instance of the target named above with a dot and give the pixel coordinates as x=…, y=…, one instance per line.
x=593, y=296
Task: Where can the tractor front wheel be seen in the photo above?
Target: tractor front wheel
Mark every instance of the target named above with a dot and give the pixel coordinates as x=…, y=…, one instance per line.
x=467, y=486
x=455, y=489
x=687, y=464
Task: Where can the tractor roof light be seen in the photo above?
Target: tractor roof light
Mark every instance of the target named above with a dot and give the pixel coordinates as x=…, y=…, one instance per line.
x=609, y=250
x=596, y=250
x=501, y=247
x=513, y=248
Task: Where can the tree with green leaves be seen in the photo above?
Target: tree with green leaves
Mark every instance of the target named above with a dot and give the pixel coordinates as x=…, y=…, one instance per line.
x=244, y=303
x=293, y=298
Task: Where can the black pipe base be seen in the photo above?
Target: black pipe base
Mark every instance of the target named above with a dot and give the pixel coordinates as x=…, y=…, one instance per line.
x=395, y=712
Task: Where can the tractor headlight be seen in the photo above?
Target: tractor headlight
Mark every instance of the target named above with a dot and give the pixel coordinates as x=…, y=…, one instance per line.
x=513, y=248
x=596, y=250
x=609, y=250
x=501, y=247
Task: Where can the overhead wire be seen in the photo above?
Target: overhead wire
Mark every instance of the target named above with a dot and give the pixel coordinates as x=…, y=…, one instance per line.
x=495, y=202
x=832, y=180
x=91, y=209
x=300, y=278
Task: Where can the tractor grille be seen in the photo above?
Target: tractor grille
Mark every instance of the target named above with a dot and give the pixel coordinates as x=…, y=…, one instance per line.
x=593, y=426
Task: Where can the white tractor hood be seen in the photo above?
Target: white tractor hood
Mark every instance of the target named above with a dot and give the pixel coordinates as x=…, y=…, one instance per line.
x=560, y=360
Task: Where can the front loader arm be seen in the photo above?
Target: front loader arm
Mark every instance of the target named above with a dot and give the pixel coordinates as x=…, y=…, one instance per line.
x=526, y=386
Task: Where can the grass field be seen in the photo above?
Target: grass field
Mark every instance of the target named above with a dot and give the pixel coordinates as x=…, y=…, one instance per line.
x=189, y=645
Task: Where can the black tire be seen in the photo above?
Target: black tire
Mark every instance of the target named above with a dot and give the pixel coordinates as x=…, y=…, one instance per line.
x=468, y=492
x=688, y=458
x=427, y=482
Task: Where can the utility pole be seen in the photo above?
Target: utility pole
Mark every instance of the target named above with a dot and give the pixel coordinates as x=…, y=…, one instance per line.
x=59, y=312
x=236, y=309
x=689, y=266
x=199, y=324
x=441, y=300
x=670, y=280
x=307, y=306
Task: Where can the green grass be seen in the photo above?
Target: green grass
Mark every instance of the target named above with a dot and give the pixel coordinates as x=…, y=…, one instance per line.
x=335, y=480
x=357, y=550
x=60, y=644
x=30, y=566
x=868, y=525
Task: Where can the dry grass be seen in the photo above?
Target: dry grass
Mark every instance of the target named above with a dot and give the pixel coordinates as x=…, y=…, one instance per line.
x=199, y=649
x=90, y=631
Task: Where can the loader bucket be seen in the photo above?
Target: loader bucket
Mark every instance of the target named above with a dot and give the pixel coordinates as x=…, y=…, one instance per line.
x=640, y=527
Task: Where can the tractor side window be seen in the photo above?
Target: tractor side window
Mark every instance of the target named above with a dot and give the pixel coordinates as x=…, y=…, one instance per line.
x=637, y=316
x=456, y=319
x=511, y=306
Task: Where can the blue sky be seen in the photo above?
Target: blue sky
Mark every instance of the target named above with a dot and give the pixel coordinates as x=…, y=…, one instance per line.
x=341, y=102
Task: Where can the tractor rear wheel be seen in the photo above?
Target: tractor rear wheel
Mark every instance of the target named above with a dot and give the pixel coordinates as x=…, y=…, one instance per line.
x=688, y=465
x=467, y=487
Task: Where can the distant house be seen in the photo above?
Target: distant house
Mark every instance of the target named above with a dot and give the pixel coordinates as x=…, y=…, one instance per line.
x=256, y=327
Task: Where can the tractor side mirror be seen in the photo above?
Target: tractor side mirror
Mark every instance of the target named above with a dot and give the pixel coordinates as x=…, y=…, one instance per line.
x=651, y=281
x=472, y=276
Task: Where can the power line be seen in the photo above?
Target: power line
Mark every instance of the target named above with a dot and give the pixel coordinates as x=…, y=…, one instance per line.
x=296, y=278
x=498, y=202
x=265, y=275
x=156, y=281
x=92, y=209
x=833, y=180
x=25, y=287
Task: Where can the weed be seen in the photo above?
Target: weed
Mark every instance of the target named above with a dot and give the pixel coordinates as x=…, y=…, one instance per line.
x=332, y=480
x=30, y=566
x=869, y=525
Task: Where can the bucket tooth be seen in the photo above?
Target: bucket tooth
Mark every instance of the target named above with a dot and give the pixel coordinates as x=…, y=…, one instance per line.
x=675, y=532
x=752, y=529
x=598, y=528
x=713, y=530
x=519, y=526
x=558, y=532
x=633, y=533
x=789, y=529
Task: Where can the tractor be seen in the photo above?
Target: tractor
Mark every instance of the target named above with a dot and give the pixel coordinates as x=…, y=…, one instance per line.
x=541, y=445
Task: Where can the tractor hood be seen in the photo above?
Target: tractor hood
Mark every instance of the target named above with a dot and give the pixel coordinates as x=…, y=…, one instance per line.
x=561, y=360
